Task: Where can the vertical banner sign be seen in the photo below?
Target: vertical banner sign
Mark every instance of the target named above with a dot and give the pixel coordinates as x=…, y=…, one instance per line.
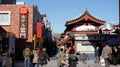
x=23, y=22
x=39, y=30
x=12, y=44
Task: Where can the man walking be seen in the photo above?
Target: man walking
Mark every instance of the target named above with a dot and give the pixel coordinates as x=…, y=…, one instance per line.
x=61, y=58
x=27, y=54
x=106, y=52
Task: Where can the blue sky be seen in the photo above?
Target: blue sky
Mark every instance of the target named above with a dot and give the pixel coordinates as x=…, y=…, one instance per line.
x=59, y=11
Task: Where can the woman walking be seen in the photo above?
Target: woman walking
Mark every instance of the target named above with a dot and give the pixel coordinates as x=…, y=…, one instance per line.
x=72, y=60
x=35, y=58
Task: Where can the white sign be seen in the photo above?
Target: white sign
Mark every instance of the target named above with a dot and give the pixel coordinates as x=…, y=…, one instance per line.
x=86, y=27
x=81, y=48
x=23, y=26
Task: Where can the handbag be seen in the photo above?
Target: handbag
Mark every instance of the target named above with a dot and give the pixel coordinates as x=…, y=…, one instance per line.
x=110, y=57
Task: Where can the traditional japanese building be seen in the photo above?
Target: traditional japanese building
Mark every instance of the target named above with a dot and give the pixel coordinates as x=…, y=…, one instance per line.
x=83, y=33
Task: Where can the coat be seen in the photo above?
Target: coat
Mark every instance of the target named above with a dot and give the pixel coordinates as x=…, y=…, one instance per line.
x=107, y=50
x=60, y=57
x=35, y=56
x=72, y=60
x=45, y=55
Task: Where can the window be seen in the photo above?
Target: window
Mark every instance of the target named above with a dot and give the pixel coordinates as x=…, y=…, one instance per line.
x=4, y=17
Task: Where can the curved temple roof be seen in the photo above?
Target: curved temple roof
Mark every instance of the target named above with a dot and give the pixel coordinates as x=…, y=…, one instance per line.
x=85, y=16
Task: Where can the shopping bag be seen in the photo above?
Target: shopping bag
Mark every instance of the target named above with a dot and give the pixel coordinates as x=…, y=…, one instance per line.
x=102, y=61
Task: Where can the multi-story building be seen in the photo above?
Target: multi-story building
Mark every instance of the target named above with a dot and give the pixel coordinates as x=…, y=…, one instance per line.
x=47, y=34
x=18, y=25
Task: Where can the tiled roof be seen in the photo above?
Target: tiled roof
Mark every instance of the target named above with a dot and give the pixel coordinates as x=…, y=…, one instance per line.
x=84, y=13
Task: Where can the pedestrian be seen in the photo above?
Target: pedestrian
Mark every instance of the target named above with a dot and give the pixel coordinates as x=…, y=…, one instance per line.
x=119, y=54
x=0, y=55
x=115, y=55
x=4, y=58
x=78, y=55
x=106, y=54
x=83, y=58
x=97, y=58
x=27, y=54
x=43, y=58
x=61, y=57
x=72, y=60
x=35, y=58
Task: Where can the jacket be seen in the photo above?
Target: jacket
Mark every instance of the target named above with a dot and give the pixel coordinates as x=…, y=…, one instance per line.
x=60, y=57
x=45, y=55
x=107, y=50
x=35, y=56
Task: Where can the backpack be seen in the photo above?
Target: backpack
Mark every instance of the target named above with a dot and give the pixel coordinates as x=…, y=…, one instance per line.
x=42, y=57
x=73, y=58
x=27, y=53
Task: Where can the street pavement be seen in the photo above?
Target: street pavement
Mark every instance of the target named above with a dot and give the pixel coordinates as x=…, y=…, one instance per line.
x=53, y=63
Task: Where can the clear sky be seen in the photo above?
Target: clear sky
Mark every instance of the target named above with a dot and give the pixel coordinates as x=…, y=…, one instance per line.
x=60, y=11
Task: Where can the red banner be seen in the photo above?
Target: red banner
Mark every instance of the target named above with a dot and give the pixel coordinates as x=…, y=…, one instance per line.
x=39, y=30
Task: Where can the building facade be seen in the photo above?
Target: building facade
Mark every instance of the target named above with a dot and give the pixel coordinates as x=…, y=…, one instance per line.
x=83, y=34
x=18, y=22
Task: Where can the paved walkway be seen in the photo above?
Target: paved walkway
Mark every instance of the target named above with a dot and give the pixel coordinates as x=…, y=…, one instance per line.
x=53, y=63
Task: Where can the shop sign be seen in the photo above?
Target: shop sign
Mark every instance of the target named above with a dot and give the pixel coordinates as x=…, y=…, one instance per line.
x=39, y=30
x=12, y=44
x=23, y=10
x=23, y=23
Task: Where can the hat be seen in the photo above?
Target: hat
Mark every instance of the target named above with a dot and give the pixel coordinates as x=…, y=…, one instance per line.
x=44, y=49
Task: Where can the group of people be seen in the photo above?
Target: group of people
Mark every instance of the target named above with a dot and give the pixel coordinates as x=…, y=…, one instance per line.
x=35, y=58
x=111, y=54
x=62, y=61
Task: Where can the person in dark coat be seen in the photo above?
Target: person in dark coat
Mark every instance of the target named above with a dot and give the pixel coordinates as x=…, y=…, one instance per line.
x=43, y=58
x=73, y=59
x=119, y=54
x=84, y=58
x=115, y=55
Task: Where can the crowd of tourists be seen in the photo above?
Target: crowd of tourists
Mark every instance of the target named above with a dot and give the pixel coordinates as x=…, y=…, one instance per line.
x=35, y=58
x=110, y=54
x=39, y=58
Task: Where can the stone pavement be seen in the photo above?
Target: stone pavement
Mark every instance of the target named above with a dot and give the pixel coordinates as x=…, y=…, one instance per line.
x=53, y=63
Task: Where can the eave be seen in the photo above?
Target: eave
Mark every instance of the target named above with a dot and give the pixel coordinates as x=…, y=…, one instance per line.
x=85, y=16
